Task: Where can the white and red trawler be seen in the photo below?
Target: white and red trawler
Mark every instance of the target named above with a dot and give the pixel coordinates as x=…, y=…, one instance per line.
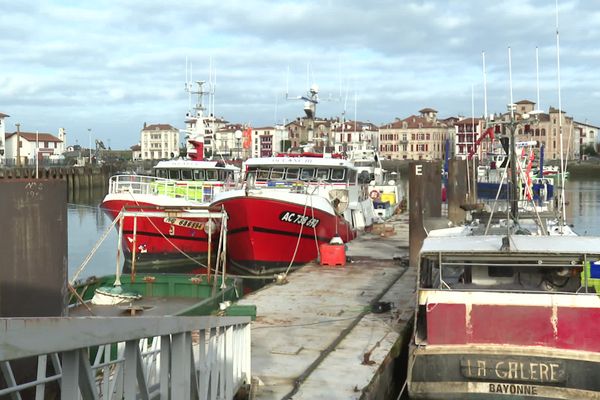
x=288, y=206
x=173, y=243
x=168, y=243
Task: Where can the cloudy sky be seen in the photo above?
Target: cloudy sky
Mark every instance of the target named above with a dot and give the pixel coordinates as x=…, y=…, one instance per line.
x=110, y=66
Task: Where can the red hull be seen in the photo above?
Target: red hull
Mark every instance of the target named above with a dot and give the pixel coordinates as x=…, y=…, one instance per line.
x=561, y=323
x=157, y=240
x=263, y=233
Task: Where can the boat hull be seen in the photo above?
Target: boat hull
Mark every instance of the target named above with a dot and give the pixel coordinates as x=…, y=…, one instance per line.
x=263, y=233
x=499, y=372
x=161, y=243
x=486, y=344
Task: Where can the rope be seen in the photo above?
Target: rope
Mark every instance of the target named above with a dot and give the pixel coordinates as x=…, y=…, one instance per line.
x=91, y=254
x=308, y=196
x=192, y=259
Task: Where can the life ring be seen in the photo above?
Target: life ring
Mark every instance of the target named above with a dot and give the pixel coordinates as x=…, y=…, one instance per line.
x=374, y=194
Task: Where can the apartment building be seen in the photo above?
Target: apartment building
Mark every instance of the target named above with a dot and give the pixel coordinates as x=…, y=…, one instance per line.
x=467, y=132
x=546, y=130
x=417, y=137
x=159, y=142
x=586, y=135
x=354, y=135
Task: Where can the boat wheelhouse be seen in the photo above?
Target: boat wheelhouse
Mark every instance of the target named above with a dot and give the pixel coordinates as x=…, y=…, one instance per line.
x=166, y=243
x=500, y=316
x=290, y=205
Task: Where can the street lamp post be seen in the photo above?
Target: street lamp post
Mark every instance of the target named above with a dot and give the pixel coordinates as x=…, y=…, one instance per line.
x=90, y=143
x=238, y=139
x=37, y=153
x=18, y=125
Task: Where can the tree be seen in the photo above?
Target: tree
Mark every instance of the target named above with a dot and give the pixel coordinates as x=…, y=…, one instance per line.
x=589, y=150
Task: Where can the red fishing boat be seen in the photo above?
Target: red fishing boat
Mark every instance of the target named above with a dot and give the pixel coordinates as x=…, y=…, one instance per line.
x=168, y=243
x=173, y=243
x=288, y=207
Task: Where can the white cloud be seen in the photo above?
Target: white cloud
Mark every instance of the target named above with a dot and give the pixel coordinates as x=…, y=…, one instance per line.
x=111, y=66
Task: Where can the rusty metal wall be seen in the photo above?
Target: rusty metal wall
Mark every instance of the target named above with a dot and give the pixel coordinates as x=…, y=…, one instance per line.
x=457, y=190
x=425, y=199
x=33, y=249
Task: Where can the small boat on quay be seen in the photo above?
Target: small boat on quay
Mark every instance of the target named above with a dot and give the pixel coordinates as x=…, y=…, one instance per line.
x=290, y=205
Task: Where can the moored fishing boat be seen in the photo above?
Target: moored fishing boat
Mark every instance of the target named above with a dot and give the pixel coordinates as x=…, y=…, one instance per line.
x=288, y=207
x=167, y=242
x=506, y=315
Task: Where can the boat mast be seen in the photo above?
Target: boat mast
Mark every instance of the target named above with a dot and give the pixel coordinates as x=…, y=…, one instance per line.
x=560, y=132
x=514, y=197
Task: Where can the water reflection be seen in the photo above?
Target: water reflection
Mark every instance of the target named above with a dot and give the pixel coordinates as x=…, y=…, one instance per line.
x=583, y=209
x=86, y=225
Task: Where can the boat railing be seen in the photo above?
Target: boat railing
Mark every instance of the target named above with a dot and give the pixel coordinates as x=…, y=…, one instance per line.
x=200, y=191
x=125, y=358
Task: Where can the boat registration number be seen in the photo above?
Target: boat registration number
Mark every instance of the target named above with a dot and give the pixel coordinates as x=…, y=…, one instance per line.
x=299, y=219
x=184, y=223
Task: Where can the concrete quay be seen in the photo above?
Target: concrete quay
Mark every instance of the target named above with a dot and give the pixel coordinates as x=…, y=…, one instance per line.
x=337, y=332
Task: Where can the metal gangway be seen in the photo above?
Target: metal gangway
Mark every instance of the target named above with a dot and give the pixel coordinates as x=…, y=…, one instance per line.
x=124, y=358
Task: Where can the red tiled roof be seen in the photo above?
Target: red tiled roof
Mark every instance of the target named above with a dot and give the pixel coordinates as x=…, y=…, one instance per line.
x=525, y=102
x=427, y=110
x=136, y=147
x=413, y=122
x=31, y=137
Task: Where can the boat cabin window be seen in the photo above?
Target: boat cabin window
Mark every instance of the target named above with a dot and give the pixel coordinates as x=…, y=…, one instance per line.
x=225, y=175
x=307, y=174
x=186, y=175
x=550, y=274
x=263, y=174
x=161, y=173
x=277, y=173
x=211, y=175
x=199, y=175
x=337, y=174
x=323, y=173
x=174, y=174
x=292, y=174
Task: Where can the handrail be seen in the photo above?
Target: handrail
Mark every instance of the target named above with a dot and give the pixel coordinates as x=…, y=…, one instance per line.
x=200, y=191
x=129, y=358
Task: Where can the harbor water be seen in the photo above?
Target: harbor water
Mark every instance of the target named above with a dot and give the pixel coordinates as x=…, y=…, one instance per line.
x=87, y=224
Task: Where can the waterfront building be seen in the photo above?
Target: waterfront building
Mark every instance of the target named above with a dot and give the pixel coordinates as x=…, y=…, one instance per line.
x=159, y=142
x=2, y=136
x=30, y=144
x=417, y=137
x=136, y=152
x=467, y=132
x=230, y=143
x=586, y=136
x=354, y=135
x=546, y=130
